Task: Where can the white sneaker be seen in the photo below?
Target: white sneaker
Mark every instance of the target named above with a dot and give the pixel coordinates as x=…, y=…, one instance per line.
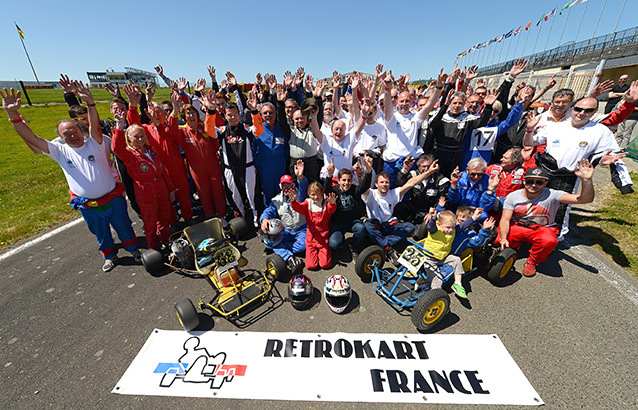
x=109, y=264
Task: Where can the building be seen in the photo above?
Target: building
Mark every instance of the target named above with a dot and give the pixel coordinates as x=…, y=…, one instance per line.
x=141, y=77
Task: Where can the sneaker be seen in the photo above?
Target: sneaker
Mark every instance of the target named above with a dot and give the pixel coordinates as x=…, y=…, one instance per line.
x=137, y=256
x=392, y=255
x=109, y=264
x=529, y=269
x=355, y=255
x=459, y=290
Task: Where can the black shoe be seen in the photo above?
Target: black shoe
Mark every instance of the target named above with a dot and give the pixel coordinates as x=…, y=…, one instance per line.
x=392, y=256
x=268, y=251
x=355, y=255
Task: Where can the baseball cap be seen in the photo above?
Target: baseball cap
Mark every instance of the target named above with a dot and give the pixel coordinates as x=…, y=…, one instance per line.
x=286, y=179
x=537, y=173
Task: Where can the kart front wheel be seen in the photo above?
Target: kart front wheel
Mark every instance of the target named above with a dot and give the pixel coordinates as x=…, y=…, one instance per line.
x=364, y=265
x=187, y=315
x=501, y=265
x=276, y=266
x=153, y=260
x=430, y=309
x=238, y=228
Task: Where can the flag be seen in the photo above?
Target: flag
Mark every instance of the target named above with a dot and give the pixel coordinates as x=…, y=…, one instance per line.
x=577, y=2
x=550, y=14
x=487, y=43
x=462, y=54
x=20, y=31
x=509, y=34
x=474, y=48
x=541, y=19
x=494, y=40
x=566, y=6
x=500, y=38
x=527, y=26
x=479, y=45
x=518, y=30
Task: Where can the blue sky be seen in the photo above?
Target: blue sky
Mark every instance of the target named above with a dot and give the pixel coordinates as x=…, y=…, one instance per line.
x=418, y=37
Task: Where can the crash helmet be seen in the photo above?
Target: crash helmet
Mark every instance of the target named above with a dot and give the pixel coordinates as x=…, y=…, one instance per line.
x=300, y=291
x=337, y=292
x=273, y=236
x=183, y=253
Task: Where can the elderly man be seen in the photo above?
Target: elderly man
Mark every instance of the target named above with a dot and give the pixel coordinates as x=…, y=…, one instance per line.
x=570, y=141
x=511, y=171
x=473, y=187
x=617, y=93
x=87, y=169
x=528, y=214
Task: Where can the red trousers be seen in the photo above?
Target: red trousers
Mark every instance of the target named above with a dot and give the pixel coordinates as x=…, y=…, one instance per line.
x=156, y=211
x=210, y=189
x=318, y=256
x=177, y=171
x=542, y=238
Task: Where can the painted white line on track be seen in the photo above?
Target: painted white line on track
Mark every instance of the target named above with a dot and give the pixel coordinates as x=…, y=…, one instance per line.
x=39, y=239
x=604, y=271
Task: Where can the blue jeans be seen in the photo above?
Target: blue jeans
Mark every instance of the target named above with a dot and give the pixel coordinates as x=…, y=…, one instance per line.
x=338, y=231
x=292, y=242
x=384, y=234
x=114, y=213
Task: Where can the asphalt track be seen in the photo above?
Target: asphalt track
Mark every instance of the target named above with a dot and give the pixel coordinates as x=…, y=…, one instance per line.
x=68, y=331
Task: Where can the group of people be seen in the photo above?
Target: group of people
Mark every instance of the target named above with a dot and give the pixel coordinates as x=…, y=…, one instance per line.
x=367, y=155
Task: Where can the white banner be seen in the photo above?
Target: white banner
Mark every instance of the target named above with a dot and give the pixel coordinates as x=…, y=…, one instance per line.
x=472, y=369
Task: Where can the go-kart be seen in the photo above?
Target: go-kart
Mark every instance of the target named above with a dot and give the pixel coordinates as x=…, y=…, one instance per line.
x=206, y=250
x=410, y=286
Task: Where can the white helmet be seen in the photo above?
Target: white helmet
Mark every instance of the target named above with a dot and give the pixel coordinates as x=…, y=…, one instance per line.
x=338, y=293
x=273, y=236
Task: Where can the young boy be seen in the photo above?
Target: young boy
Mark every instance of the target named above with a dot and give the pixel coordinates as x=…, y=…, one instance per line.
x=438, y=244
x=469, y=238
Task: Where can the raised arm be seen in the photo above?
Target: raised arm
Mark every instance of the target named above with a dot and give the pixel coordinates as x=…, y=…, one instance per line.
x=11, y=103
x=95, y=130
x=440, y=83
x=585, y=172
x=387, y=81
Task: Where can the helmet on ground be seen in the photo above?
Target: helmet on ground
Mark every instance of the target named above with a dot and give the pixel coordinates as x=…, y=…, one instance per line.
x=300, y=291
x=337, y=292
x=273, y=237
x=183, y=252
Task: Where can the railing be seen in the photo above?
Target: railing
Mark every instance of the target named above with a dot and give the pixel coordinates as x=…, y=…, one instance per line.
x=619, y=44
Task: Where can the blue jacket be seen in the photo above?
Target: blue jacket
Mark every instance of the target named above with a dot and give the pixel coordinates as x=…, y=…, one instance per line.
x=468, y=194
x=469, y=239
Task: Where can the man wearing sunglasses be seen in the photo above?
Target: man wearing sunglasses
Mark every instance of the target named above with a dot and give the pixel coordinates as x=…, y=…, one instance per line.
x=528, y=213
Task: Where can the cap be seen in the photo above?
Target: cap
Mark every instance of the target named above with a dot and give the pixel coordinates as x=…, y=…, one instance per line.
x=286, y=179
x=537, y=173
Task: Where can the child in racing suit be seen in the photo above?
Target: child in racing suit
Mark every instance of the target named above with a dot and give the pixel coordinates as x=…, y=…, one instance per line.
x=317, y=211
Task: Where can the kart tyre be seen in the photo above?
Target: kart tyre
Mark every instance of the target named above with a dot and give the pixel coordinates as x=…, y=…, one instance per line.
x=420, y=231
x=153, y=260
x=363, y=264
x=238, y=228
x=187, y=315
x=501, y=265
x=430, y=309
x=276, y=267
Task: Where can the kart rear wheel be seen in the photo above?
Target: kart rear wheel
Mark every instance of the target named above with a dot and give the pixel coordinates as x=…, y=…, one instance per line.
x=276, y=267
x=187, y=315
x=430, y=309
x=153, y=260
x=420, y=231
x=501, y=265
x=363, y=266
x=238, y=228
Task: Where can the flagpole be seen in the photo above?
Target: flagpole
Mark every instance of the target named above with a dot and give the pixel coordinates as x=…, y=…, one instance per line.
x=621, y=10
x=581, y=22
x=569, y=10
x=508, y=50
x=518, y=40
x=27, y=53
x=599, y=17
x=536, y=42
x=550, y=33
x=525, y=44
x=500, y=51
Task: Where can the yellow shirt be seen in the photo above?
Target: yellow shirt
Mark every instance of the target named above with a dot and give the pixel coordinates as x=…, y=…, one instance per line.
x=438, y=245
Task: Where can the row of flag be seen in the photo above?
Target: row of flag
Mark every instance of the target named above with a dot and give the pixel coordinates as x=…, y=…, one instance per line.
x=514, y=32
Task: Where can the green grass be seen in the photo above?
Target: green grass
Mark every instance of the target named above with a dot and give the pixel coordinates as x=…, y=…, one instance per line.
x=613, y=228
x=45, y=96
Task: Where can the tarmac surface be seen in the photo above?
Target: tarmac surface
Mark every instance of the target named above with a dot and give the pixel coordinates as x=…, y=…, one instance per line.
x=68, y=331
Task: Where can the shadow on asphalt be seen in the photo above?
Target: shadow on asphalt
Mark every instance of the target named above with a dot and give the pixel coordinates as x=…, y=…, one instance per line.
x=449, y=320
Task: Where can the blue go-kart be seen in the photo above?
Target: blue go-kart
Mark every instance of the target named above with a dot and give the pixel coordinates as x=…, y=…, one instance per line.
x=410, y=286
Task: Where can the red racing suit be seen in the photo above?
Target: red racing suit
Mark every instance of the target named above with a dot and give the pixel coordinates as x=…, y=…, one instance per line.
x=171, y=159
x=152, y=186
x=318, y=253
x=202, y=154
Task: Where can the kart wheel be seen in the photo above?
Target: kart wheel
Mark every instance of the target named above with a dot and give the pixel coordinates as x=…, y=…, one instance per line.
x=238, y=228
x=153, y=260
x=363, y=266
x=430, y=309
x=501, y=265
x=420, y=231
x=276, y=266
x=187, y=315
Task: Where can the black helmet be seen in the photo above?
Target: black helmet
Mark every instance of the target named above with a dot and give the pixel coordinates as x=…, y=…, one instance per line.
x=300, y=291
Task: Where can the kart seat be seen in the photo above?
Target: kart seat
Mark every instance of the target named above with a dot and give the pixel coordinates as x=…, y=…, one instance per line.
x=211, y=228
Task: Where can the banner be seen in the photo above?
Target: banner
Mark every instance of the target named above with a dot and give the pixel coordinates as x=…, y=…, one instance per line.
x=393, y=368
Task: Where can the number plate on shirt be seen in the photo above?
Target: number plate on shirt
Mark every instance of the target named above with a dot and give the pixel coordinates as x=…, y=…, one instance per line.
x=412, y=258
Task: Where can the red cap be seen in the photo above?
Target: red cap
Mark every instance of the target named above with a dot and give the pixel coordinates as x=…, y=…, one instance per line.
x=286, y=179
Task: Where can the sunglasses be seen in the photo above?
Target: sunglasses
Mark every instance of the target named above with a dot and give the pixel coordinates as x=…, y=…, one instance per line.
x=538, y=182
x=475, y=174
x=586, y=110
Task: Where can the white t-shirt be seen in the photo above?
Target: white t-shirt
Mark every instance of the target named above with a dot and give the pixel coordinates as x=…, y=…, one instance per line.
x=403, y=132
x=568, y=144
x=341, y=151
x=382, y=207
x=87, y=169
x=372, y=137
